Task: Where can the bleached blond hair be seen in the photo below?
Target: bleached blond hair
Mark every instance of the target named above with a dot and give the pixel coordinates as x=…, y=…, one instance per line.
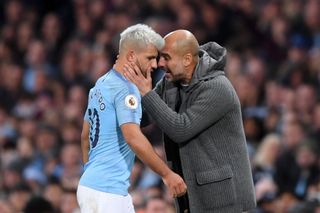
x=140, y=36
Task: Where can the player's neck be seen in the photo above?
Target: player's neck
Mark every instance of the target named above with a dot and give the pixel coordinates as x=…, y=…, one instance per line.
x=118, y=66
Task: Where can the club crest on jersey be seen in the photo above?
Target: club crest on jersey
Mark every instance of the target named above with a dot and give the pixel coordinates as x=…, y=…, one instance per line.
x=131, y=101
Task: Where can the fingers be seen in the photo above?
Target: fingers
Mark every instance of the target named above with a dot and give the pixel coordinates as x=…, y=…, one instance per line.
x=176, y=186
x=129, y=69
x=129, y=73
x=174, y=193
x=132, y=71
x=171, y=187
x=128, y=76
x=136, y=69
x=182, y=189
x=134, y=75
x=148, y=75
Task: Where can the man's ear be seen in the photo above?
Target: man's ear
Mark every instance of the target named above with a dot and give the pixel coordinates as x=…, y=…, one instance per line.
x=131, y=57
x=187, y=59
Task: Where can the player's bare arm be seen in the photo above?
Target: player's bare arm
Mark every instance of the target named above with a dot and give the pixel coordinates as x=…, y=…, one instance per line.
x=85, y=141
x=143, y=149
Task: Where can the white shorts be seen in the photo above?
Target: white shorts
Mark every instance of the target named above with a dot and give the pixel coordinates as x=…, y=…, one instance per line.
x=93, y=201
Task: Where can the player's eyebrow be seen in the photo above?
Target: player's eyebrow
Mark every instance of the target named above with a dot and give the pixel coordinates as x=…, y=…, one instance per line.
x=151, y=57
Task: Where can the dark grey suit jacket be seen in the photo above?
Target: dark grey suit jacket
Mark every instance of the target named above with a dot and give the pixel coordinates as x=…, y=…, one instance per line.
x=210, y=135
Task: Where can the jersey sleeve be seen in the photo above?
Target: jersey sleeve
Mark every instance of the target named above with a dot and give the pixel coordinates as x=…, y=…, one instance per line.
x=86, y=114
x=128, y=106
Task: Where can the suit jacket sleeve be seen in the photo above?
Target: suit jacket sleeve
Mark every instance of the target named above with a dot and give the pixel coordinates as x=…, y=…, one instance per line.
x=213, y=100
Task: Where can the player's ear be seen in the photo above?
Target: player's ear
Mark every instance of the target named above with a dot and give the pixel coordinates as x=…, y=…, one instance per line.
x=131, y=57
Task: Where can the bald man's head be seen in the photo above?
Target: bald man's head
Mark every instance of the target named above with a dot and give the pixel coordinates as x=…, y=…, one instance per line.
x=179, y=56
x=182, y=42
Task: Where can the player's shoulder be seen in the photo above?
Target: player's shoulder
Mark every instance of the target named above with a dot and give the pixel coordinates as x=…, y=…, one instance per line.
x=115, y=83
x=120, y=83
x=112, y=79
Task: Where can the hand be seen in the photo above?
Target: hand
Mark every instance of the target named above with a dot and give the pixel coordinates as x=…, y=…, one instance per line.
x=133, y=74
x=175, y=184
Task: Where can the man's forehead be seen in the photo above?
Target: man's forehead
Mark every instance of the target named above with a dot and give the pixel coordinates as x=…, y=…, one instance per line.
x=164, y=53
x=167, y=50
x=169, y=46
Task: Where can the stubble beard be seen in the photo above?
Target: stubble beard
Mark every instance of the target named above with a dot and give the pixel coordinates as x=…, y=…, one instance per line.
x=144, y=72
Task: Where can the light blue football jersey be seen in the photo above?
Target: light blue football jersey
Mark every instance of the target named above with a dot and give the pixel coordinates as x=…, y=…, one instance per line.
x=113, y=101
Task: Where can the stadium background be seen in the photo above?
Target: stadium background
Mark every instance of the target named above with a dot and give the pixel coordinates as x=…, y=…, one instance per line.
x=51, y=53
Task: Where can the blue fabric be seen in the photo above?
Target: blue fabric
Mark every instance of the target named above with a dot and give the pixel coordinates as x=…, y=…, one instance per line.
x=113, y=101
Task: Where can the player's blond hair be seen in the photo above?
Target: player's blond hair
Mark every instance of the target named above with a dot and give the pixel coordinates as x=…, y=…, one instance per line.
x=140, y=36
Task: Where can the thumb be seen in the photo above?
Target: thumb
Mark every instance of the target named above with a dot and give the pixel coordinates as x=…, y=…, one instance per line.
x=148, y=75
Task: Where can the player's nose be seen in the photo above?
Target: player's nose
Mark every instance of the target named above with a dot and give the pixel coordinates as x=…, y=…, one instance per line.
x=154, y=64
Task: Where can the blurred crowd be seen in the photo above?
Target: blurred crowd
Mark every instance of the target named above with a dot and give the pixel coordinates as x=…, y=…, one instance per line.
x=52, y=52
